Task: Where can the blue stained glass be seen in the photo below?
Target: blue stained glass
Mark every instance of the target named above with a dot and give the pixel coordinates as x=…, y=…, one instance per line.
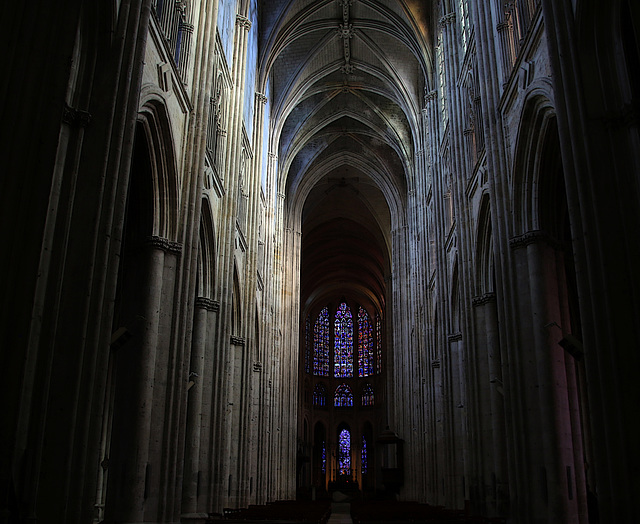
x=343, y=353
x=365, y=344
x=324, y=457
x=378, y=344
x=319, y=395
x=343, y=396
x=344, y=452
x=321, y=344
x=307, y=345
x=367, y=395
x=364, y=456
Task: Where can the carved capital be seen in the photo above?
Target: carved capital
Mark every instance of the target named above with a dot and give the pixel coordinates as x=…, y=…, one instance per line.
x=430, y=97
x=484, y=299
x=532, y=237
x=449, y=18
x=75, y=117
x=262, y=98
x=186, y=27
x=237, y=341
x=166, y=245
x=208, y=304
x=454, y=337
x=243, y=21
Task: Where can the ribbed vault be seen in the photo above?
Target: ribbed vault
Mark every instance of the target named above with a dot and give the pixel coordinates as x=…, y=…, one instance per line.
x=346, y=80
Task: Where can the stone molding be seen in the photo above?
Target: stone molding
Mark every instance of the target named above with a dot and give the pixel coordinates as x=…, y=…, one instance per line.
x=481, y=300
x=208, y=304
x=237, y=341
x=166, y=245
x=435, y=363
x=454, y=337
x=532, y=237
x=75, y=117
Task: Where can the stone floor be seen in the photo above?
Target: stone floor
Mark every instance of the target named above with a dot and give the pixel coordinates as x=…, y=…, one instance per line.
x=340, y=513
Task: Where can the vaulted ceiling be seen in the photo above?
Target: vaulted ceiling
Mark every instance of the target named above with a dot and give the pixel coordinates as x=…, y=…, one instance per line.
x=347, y=80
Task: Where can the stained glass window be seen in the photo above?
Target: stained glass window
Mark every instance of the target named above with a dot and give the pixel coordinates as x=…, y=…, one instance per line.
x=324, y=457
x=343, y=396
x=308, y=343
x=321, y=344
x=365, y=344
x=344, y=452
x=367, y=395
x=364, y=455
x=319, y=395
x=343, y=354
x=378, y=344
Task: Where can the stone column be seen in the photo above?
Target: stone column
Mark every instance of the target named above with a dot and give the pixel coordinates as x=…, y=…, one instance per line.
x=198, y=418
x=130, y=462
x=555, y=495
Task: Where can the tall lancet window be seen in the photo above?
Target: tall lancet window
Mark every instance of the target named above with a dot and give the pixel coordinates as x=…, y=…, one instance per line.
x=365, y=344
x=378, y=344
x=308, y=345
x=344, y=452
x=321, y=344
x=365, y=461
x=343, y=354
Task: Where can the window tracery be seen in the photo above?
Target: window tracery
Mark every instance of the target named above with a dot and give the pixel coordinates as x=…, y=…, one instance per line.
x=367, y=395
x=343, y=396
x=365, y=344
x=321, y=344
x=343, y=352
x=344, y=452
x=319, y=395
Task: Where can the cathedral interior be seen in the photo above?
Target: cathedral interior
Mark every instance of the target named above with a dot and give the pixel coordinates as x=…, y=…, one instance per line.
x=275, y=250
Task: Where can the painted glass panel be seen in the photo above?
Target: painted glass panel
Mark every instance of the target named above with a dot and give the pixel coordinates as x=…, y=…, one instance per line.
x=343, y=353
x=308, y=343
x=365, y=344
x=324, y=457
x=321, y=344
x=343, y=396
x=364, y=455
x=344, y=452
x=367, y=395
x=319, y=395
x=378, y=344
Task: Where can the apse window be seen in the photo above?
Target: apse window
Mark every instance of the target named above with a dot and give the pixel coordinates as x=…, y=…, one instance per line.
x=343, y=397
x=344, y=452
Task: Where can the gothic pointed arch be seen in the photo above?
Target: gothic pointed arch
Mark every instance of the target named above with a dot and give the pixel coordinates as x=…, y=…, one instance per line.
x=537, y=115
x=236, y=304
x=206, y=252
x=154, y=118
x=484, y=249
